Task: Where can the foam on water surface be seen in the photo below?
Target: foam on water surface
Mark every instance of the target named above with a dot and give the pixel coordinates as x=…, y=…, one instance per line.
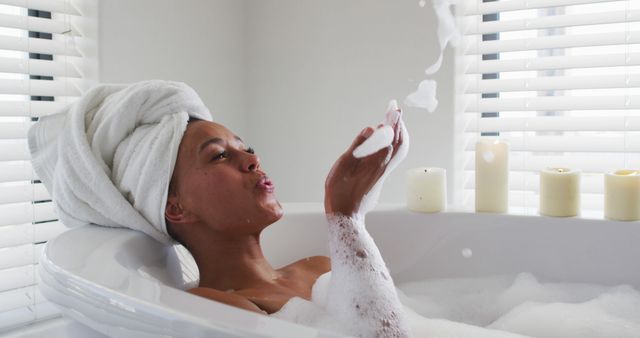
x=505, y=306
x=523, y=305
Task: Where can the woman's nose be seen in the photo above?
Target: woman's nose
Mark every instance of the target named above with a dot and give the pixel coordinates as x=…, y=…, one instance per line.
x=251, y=163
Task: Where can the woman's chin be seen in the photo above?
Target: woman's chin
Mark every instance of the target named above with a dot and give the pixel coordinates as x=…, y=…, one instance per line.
x=275, y=209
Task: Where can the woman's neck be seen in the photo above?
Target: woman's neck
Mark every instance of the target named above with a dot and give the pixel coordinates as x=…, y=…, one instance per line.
x=232, y=263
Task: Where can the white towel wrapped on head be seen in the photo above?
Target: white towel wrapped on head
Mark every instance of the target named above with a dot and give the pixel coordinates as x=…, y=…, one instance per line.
x=108, y=158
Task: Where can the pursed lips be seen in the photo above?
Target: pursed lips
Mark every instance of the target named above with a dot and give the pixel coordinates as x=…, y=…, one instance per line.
x=265, y=183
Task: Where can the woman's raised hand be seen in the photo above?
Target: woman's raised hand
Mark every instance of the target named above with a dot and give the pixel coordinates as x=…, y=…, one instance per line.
x=351, y=178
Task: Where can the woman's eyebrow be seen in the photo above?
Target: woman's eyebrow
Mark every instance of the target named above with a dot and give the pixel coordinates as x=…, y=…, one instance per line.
x=216, y=140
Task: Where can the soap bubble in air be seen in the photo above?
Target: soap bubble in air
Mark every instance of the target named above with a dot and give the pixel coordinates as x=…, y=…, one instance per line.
x=467, y=253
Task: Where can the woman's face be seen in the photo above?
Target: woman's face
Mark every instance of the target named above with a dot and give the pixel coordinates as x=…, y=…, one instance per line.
x=218, y=181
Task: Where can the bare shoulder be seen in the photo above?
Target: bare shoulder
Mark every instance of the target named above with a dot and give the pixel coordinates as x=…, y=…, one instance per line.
x=226, y=298
x=315, y=264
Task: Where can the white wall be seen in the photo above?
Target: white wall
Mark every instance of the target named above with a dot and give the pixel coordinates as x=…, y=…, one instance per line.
x=320, y=71
x=297, y=79
x=199, y=42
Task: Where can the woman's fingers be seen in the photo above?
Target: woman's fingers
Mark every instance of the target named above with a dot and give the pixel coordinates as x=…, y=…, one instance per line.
x=398, y=138
x=364, y=134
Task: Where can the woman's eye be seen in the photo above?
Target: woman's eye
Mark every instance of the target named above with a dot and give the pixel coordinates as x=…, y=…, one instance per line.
x=220, y=155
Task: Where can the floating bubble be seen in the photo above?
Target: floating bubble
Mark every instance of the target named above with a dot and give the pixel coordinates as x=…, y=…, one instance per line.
x=467, y=253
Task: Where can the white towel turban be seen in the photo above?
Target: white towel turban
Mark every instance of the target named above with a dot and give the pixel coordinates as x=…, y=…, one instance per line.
x=108, y=158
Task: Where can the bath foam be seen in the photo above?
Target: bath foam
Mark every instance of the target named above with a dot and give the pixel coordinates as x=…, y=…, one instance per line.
x=523, y=305
x=361, y=290
x=392, y=115
x=314, y=313
x=500, y=306
x=357, y=297
x=425, y=96
x=382, y=137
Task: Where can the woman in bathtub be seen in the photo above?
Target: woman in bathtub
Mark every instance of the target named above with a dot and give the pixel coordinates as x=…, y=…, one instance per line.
x=220, y=200
x=147, y=156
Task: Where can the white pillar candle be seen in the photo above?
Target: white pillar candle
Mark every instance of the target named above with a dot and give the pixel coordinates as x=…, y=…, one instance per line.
x=426, y=189
x=559, y=192
x=622, y=195
x=492, y=176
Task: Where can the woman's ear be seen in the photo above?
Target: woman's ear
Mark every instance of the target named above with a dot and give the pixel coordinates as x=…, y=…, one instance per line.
x=174, y=212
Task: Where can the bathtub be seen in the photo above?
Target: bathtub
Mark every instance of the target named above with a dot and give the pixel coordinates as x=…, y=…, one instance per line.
x=122, y=283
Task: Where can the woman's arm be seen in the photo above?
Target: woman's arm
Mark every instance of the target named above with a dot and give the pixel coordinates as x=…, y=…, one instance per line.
x=361, y=291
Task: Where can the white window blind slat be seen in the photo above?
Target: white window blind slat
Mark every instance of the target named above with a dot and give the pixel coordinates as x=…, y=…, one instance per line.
x=42, y=67
x=474, y=47
x=19, y=234
x=22, y=255
x=16, y=171
x=474, y=7
x=66, y=45
x=56, y=6
x=33, y=108
x=19, y=213
x=16, y=278
x=553, y=22
x=14, y=130
x=553, y=83
x=554, y=103
x=61, y=87
x=14, y=150
x=16, y=256
x=553, y=123
x=23, y=192
x=59, y=26
x=477, y=66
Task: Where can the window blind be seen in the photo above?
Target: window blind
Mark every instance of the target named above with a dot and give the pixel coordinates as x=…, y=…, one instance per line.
x=47, y=59
x=557, y=79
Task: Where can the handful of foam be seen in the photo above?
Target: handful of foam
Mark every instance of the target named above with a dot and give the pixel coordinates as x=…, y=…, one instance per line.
x=382, y=137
